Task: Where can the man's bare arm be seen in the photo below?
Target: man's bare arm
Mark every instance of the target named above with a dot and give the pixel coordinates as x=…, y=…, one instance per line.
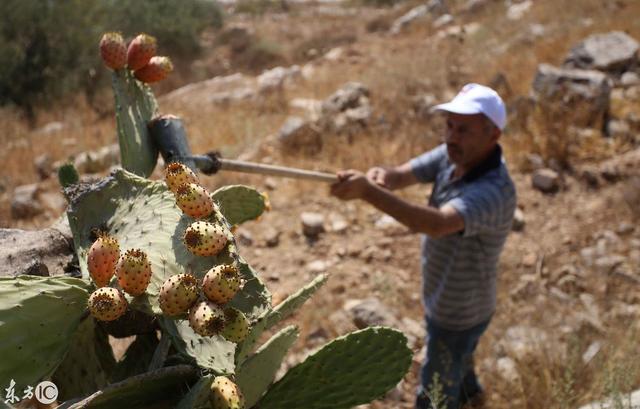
x=394, y=178
x=421, y=219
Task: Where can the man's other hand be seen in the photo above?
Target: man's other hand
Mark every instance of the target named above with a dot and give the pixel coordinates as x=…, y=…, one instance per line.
x=351, y=184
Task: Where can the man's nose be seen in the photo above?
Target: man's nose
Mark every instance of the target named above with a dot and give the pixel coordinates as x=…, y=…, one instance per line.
x=451, y=136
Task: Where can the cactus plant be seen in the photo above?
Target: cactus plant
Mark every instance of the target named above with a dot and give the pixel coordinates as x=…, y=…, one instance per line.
x=240, y=203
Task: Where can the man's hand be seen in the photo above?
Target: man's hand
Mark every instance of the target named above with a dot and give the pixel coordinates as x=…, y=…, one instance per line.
x=352, y=184
x=381, y=176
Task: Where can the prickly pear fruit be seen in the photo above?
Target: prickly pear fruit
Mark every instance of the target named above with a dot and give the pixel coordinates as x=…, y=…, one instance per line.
x=224, y=394
x=156, y=70
x=206, y=318
x=113, y=50
x=102, y=258
x=107, y=304
x=236, y=325
x=134, y=272
x=221, y=283
x=178, y=293
x=140, y=51
x=178, y=173
x=204, y=238
x=194, y=200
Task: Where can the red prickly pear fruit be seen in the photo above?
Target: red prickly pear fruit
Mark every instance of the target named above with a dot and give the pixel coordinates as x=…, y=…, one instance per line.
x=178, y=293
x=178, y=173
x=113, y=50
x=102, y=258
x=221, y=283
x=206, y=318
x=225, y=394
x=236, y=325
x=194, y=200
x=140, y=51
x=134, y=272
x=205, y=239
x=107, y=304
x=156, y=70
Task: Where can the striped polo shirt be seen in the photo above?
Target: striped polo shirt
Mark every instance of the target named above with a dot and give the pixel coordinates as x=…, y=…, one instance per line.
x=459, y=270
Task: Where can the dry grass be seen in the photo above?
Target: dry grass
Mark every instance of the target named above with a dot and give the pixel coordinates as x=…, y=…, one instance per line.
x=397, y=69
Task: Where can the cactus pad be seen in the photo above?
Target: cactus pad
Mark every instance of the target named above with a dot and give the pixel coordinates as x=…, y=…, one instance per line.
x=38, y=316
x=259, y=371
x=135, y=107
x=240, y=203
x=349, y=371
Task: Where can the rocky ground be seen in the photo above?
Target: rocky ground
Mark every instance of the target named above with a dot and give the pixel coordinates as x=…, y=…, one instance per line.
x=566, y=328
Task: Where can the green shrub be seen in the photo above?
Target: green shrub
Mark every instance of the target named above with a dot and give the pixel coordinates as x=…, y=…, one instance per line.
x=50, y=48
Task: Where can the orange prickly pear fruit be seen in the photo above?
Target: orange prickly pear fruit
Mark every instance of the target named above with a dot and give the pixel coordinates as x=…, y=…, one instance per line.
x=140, y=51
x=156, y=70
x=134, y=272
x=113, y=50
x=102, y=258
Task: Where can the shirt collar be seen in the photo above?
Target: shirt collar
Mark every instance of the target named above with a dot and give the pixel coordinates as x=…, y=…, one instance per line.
x=492, y=162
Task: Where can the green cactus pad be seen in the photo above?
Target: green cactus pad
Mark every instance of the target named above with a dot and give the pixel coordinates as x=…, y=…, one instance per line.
x=214, y=353
x=259, y=371
x=135, y=107
x=240, y=203
x=38, y=317
x=198, y=396
x=283, y=310
x=349, y=371
x=90, y=353
x=163, y=386
x=142, y=214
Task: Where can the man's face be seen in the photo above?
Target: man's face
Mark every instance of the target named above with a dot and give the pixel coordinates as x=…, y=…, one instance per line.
x=469, y=138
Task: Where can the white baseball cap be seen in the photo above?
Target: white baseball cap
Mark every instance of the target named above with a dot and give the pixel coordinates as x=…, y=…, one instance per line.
x=477, y=99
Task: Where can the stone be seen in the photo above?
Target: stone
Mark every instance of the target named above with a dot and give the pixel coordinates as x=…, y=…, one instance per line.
x=245, y=238
x=334, y=54
x=581, y=97
x=298, y=133
x=43, y=166
x=411, y=16
x=272, y=237
x=546, y=180
x=613, y=52
x=53, y=201
x=625, y=228
x=350, y=95
x=518, y=220
x=387, y=222
x=507, y=369
x=311, y=107
x=629, y=79
x=607, y=264
x=443, y=20
x=337, y=223
x=276, y=78
x=518, y=10
x=36, y=251
x=312, y=224
x=317, y=266
x=618, y=128
x=591, y=352
x=369, y=312
x=51, y=128
x=25, y=202
x=521, y=341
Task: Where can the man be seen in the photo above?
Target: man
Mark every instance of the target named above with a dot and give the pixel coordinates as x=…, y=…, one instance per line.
x=465, y=224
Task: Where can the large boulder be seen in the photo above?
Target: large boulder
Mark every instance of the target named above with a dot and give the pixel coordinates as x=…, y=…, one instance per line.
x=579, y=96
x=614, y=52
x=298, y=133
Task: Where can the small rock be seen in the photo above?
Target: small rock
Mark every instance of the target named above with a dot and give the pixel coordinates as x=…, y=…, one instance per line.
x=245, y=238
x=607, y=264
x=338, y=223
x=43, y=166
x=298, y=133
x=270, y=183
x=369, y=312
x=629, y=79
x=272, y=237
x=387, y=222
x=317, y=266
x=625, y=228
x=518, y=220
x=518, y=10
x=24, y=203
x=618, y=128
x=591, y=352
x=51, y=128
x=36, y=268
x=334, y=54
x=546, y=180
x=312, y=224
x=408, y=18
x=443, y=20
x=507, y=369
x=612, y=52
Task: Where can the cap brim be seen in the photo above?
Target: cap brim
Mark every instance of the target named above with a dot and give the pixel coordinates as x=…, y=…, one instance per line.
x=457, y=108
